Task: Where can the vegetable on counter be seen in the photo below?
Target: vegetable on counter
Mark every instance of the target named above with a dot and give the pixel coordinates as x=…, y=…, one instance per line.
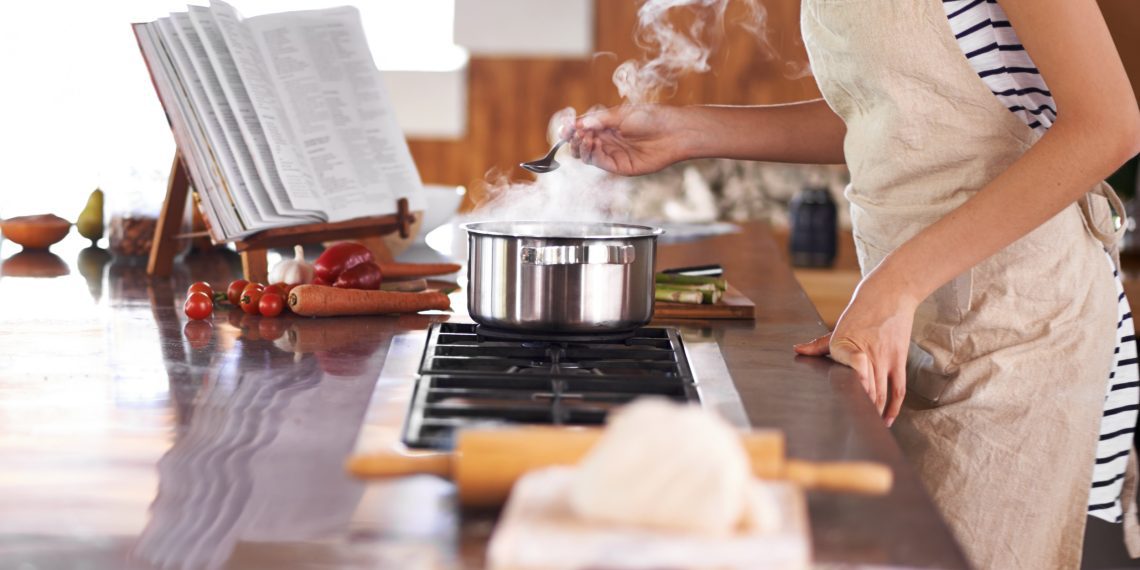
x=690, y=289
x=198, y=305
x=413, y=270
x=294, y=271
x=200, y=287
x=409, y=286
x=321, y=301
x=250, y=297
x=366, y=275
x=271, y=305
x=338, y=258
x=669, y=279
x=677, y=296
x=233, y=292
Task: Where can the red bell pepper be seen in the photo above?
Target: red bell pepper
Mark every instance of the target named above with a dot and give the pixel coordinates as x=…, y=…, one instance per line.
x=363, y=276
x=339, y=258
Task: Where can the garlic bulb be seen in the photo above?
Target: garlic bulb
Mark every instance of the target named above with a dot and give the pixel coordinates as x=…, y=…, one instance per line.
x=294, y=271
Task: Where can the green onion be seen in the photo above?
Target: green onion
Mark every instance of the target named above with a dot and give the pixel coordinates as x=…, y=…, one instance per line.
x=671, y=279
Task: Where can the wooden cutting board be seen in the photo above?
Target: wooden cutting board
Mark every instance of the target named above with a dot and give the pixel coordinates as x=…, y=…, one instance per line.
x=538, y=531
x=733, y=305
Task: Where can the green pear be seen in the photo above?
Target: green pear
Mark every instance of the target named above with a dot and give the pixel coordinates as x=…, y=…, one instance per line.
x=90, y=222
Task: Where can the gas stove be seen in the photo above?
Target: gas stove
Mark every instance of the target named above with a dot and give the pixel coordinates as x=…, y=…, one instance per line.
x=468, y=377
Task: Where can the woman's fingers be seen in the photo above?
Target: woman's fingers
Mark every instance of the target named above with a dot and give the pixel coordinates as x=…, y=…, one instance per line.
x=846, y=352
x=897, y=390
x=865, y=369
x=817, y=347
x=599, y=120
x=883, y=378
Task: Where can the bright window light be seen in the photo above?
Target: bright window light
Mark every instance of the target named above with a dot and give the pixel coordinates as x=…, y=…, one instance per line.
x=77, y=109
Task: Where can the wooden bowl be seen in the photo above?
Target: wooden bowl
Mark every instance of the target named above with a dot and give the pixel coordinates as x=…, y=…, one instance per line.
x=35, y=232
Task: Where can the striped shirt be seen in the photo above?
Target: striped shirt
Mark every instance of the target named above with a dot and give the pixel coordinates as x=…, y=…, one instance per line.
x=990, y=45
x=995, y=53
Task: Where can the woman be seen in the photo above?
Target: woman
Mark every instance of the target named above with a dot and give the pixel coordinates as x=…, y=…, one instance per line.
x=988, y=300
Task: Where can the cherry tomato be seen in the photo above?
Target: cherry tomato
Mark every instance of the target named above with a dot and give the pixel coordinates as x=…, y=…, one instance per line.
x=273, y=290
x=201, y=287
x=251, y=287
x=271, y=304
x=199, y=333
x=233, y=293
x=198, y=305
x=250, y=297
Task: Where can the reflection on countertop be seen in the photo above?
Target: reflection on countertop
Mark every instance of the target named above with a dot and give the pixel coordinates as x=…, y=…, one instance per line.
x=248, y=419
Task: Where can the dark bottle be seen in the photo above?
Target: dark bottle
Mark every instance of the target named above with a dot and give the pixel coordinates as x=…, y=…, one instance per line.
x=814, y=228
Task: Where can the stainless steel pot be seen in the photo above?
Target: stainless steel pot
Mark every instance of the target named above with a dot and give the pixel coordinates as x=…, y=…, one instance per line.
x=560, y=277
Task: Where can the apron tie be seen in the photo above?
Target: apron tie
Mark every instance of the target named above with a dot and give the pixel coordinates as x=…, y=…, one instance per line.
x=1111, y=235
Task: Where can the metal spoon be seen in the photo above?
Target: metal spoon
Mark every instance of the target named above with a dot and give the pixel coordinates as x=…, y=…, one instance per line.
x=546, y=163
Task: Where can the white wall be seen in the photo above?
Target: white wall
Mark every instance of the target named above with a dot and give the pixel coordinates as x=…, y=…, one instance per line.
x=526, y=28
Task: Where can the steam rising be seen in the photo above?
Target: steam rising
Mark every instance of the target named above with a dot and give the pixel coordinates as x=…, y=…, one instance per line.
x=577, y=192
x=679, y=51
x=674, y=51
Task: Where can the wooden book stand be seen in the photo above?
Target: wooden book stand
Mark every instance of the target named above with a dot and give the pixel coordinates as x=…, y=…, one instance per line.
x=255, y=265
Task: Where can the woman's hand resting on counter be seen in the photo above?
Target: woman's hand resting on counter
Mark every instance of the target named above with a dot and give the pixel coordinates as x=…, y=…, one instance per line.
x=873, y=337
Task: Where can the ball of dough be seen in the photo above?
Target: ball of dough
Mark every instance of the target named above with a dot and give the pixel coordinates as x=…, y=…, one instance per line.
x=669, y=466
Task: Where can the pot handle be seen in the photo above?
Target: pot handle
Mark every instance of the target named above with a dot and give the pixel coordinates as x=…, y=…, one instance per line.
x=578, y=255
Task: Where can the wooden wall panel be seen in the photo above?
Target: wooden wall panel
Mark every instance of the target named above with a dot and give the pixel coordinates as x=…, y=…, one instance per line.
x=510, y=101
x=1123, y=18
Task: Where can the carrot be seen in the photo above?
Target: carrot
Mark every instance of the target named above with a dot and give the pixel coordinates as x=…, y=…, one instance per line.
x=407, y=270
x=322, y=301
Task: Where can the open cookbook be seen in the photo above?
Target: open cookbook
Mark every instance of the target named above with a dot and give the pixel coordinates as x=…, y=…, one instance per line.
x=281, y=119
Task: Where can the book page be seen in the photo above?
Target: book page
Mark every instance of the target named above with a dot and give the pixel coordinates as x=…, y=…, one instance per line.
x=229, y=80
x=175, y=105
x=208, y=130
x=261, y=94
x=222, y=125
x=338, y=106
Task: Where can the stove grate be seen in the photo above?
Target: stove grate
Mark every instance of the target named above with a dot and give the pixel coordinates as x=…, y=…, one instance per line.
x=467, y=379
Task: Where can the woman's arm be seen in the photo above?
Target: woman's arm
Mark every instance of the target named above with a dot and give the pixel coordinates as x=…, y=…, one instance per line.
x=1097, y=129
x=805, y=132
x=639, y=139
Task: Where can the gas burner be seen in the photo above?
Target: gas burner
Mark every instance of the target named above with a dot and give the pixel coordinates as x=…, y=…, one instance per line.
x=549, y=337
x=467, y=378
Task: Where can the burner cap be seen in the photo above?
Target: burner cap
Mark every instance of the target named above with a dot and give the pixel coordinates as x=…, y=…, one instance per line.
x=536, y=336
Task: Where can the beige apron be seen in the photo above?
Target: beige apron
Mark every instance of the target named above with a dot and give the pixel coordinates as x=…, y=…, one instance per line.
x=1009, y=362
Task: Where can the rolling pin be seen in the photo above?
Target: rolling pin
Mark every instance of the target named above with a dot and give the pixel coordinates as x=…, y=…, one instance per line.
x=487, y=462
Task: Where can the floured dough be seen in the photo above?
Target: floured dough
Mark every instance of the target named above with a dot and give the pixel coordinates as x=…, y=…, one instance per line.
x=670, y=466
